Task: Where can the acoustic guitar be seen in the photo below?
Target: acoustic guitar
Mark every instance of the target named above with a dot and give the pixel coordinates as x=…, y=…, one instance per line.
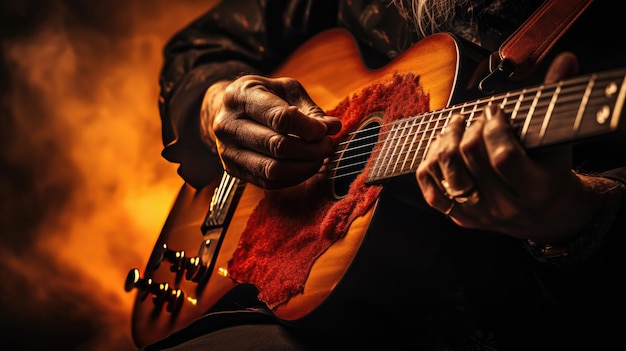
x=187, y=273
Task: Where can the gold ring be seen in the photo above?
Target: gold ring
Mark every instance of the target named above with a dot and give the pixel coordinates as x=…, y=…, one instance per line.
x=469, y=195
x=446, y=188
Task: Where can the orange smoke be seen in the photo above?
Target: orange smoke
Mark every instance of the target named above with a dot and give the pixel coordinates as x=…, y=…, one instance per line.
x=84, y=191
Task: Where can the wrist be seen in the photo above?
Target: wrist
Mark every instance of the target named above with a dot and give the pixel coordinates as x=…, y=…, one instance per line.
x=211, y=104
x=583, y=244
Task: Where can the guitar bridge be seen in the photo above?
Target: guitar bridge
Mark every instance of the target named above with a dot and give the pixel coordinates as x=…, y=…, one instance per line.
x=220, y=207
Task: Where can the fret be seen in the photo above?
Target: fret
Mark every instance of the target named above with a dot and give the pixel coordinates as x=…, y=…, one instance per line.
x=548, y=116
x=420, y=129
x=480, y=106
x=445, y=124
x=604, y=107
x=422, y=148
x=469, y=116
x=620, y=95
x=540, y=116
x=387, y=150
x=561, y=119
x=585, y=100
x=398, y=150
x=518, y=105
x=503, y=102
x=378, y=158
x=431, y=127
x=529, y=117
x=462, y=109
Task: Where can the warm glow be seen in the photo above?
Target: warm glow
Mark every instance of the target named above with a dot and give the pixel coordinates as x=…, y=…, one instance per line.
x=97, y=113
x=192, y=300
x=223, y=271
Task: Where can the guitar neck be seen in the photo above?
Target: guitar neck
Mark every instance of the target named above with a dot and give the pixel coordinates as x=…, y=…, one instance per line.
x=567, y=111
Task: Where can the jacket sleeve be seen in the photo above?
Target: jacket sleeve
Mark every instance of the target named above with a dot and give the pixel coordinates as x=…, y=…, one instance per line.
x=233, y=38
x=595, y=261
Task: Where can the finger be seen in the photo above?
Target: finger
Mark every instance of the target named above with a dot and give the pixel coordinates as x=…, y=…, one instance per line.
x=246, y=134
x=457, y=178
x=276, y=106
x=491, y=191
x=428, y=175
x=432, y=192
x=505, y=154
x=295, y=94
x=525, y=176
x=290, y=120
x=519, y=180
x=267, y=172
x=429, y=166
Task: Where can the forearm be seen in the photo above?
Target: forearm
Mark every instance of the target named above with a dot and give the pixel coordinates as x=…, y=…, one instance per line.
x=234, y=38
x=211, y=49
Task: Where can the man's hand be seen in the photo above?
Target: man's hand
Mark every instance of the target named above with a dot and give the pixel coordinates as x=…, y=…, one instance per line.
x=481, y=177
x=268, y=131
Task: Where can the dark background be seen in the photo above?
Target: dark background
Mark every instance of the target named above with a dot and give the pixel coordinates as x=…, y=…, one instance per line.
x=83, y=189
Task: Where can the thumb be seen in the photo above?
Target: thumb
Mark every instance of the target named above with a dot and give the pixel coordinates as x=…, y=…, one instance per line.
x=563, y=66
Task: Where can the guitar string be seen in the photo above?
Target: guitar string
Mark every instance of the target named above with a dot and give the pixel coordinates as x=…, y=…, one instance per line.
x=220, y=198
x=421, y=123
x=403, y=156
x=570, y=91
x=422, y=150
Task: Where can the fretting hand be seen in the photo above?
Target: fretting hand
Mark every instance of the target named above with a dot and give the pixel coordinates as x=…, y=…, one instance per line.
x=482, y=178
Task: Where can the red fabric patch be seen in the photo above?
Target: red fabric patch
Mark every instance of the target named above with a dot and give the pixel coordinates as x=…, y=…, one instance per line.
x=291, y=227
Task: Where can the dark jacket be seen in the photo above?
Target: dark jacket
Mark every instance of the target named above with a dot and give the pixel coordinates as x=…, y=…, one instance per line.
x=477, y=284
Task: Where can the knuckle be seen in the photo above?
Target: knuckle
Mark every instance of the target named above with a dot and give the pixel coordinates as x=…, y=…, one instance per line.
x=446, y=153
x=505, y=156
x=267, y=168
x=291, y=85
x=233, y=93
x=277, y=118
x=277, y=145
x=422, y=174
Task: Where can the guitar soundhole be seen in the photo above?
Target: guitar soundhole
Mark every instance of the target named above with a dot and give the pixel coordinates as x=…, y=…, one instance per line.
x=355, y=155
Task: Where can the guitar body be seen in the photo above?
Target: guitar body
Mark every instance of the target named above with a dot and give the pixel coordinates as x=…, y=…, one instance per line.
x=364, y=264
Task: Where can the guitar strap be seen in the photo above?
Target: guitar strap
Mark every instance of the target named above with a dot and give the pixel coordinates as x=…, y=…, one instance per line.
x=518, y=56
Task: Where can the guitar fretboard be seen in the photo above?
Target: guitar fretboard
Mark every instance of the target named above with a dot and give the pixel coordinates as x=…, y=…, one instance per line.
x=544, y=115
